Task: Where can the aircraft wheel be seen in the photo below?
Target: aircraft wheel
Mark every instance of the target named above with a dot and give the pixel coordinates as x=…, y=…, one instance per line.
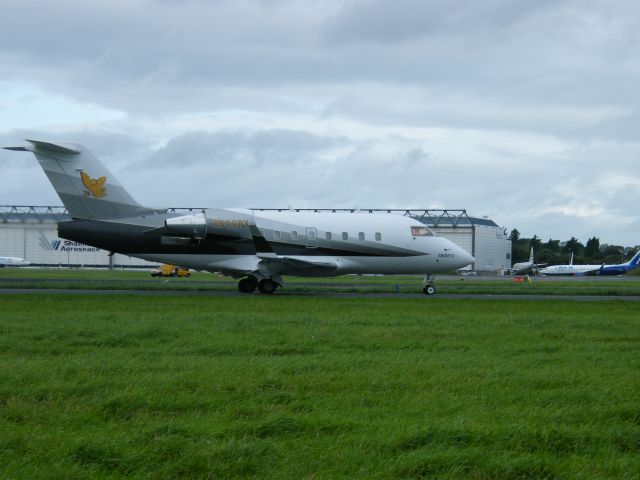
x=267, y=286
x=429, y=290
x=247, y=285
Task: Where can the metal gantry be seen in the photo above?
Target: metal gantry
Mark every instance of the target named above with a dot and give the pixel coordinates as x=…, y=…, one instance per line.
x=428, y=216
x=32, y=213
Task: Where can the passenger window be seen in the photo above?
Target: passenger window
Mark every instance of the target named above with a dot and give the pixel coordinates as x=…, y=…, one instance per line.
x=328, y=235
x=361, y=236
x=277, y=235
x=378, y=236
x=345, y=236
x=421, y=232
x=294, y=235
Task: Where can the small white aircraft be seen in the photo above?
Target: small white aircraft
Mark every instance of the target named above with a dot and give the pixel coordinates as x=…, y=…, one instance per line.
x=257, y=247
x=526, y=267
x=13, y=262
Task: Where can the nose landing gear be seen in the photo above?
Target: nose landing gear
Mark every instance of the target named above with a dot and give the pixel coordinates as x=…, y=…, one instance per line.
x=429, y=288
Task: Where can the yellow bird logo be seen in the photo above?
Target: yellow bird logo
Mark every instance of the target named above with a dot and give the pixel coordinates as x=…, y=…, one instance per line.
x=95, y=186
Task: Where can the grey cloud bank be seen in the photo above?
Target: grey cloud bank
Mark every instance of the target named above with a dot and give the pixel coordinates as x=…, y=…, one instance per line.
x=523, y=111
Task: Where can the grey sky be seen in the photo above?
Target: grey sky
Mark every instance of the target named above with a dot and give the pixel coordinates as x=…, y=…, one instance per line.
x=526, y=112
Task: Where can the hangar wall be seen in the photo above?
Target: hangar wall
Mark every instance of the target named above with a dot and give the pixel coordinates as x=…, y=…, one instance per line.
x=39, y=244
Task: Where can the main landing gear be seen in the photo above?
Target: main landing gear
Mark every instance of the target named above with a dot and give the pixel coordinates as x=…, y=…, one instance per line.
x=249, y=284
x=429, y=288
x=267, y=286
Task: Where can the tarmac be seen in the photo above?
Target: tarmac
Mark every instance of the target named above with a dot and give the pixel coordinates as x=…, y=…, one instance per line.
x=284, y=293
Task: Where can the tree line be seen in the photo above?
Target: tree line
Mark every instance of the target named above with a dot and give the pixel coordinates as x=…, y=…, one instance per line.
x=554, y=252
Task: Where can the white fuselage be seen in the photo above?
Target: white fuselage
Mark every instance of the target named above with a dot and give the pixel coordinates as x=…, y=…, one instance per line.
x=13, y=262
x=522, y=267
x=358, y=242
x=570, y=269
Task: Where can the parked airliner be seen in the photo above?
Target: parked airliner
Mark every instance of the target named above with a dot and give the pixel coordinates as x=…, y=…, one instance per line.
x=526, y=267
x=257, y=247
x=13, y=262
x=578, y=270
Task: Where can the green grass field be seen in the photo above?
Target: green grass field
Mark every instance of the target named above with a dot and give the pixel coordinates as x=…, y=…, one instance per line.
x=294, y=387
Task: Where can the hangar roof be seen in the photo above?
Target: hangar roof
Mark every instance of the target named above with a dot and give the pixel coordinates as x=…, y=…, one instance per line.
x=431, y=217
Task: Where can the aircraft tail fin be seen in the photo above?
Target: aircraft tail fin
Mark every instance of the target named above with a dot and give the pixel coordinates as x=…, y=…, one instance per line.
x=531, y=255
x=633, y=263
x=87, y=189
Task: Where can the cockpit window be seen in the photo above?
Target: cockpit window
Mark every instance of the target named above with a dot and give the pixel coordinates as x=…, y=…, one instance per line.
x=421, y=232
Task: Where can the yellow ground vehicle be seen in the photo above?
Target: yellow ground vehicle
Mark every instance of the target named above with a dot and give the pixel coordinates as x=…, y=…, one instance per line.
x=167, y=270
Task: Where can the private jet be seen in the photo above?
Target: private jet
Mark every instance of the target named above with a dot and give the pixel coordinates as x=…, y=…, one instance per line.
x=256, y=247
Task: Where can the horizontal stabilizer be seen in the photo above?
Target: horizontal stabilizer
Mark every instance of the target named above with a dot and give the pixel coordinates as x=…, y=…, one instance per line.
x=17, y=149
x=44, y=146
x=54, y=147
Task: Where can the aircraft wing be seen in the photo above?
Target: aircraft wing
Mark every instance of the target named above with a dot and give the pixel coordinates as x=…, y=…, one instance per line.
x=296, y=263
x=537, y=266
x=594, y=271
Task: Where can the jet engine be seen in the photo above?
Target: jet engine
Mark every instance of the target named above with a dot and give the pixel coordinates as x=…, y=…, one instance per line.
x=193, y=225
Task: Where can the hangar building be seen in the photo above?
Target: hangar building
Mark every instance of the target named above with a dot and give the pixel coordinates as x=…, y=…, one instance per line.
x=30, y=232
x=481, y=237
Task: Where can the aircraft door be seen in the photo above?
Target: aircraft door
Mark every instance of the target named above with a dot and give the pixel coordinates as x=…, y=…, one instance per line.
x=312, y=237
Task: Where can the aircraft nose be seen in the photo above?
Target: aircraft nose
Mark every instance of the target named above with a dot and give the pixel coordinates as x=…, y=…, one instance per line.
x=465, y=258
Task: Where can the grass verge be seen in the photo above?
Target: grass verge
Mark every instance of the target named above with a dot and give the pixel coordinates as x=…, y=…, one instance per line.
x=286, y=387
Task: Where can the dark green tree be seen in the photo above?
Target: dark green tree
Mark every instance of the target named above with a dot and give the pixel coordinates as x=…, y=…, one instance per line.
x=514, y=236
x=535, y=242
x=552, y=246
x=545, y=256
x=613, y=254
x=574, y=245
x=592, y=248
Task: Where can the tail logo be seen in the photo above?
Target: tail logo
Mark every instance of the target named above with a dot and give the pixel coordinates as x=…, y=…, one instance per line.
x=95, y=186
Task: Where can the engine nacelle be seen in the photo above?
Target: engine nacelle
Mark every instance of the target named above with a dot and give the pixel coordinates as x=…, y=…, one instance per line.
x=194, y=225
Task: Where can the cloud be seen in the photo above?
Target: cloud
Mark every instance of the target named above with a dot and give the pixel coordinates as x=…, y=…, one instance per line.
x=522, y=111
x=381, y=21
x=244, y=149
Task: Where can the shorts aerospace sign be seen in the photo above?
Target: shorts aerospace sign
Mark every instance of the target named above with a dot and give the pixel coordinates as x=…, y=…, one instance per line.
x=64, y=245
